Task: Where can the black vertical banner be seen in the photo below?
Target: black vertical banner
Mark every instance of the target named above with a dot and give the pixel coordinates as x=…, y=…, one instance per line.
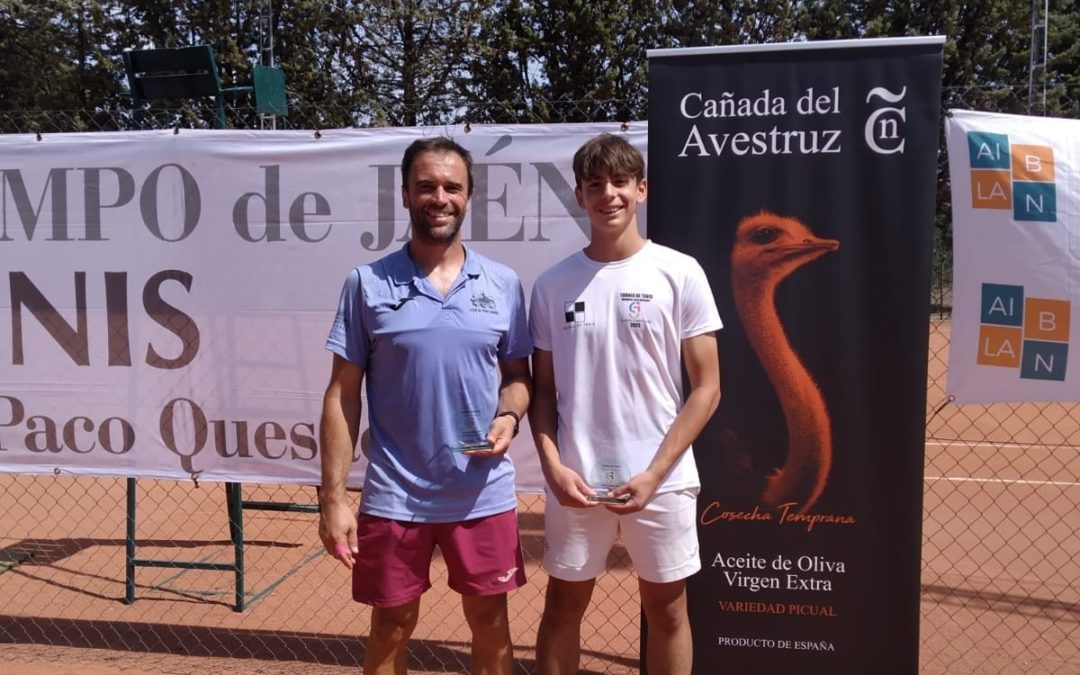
x=802, y=177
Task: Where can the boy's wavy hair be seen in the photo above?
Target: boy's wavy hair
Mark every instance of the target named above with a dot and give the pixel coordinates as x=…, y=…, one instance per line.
x=608, y=155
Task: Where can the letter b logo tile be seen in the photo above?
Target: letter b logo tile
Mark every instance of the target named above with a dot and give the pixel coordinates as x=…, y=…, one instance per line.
x=1046, y=320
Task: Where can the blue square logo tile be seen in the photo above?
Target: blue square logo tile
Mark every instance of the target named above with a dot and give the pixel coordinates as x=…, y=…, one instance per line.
x=1035, y=201
x=1002, y=305
x=1044, y=360
x=988, y=151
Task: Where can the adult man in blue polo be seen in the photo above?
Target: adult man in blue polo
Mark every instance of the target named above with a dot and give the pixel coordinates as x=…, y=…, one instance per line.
x=439, y=333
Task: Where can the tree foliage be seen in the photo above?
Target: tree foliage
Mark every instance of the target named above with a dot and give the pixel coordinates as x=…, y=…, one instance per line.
x=407, y=62
x=410, y=62
x=57, y=55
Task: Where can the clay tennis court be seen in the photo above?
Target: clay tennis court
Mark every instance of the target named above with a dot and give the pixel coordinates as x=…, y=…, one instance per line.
x=69, y=590
x=1001, y=569
x=1001, y=549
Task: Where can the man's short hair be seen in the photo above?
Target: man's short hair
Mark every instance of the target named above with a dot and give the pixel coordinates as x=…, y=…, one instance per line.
x=439, y=144
x=609, y=155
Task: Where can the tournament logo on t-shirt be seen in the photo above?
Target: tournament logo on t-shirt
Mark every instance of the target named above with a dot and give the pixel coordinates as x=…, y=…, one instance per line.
x=633, y=305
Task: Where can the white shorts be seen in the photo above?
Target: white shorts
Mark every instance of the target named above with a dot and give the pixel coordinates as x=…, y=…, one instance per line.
x=661, y=538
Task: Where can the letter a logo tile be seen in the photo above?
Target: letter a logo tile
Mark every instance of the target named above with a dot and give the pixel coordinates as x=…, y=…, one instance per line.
x=988, y=151
x=991, y=190
x=1002, y=305
x=999, y=346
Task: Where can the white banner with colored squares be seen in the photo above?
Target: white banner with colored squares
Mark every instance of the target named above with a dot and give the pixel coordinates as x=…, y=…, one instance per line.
x=1016, y=253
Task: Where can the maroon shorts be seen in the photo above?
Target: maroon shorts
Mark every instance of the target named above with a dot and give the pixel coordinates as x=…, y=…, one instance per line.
x=483, y=557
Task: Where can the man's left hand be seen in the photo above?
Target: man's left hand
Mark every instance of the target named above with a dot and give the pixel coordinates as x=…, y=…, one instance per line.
x=640, y=489
x=499, y=436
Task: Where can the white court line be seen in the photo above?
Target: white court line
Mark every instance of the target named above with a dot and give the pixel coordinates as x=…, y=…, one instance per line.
x=999, y=481
x=1003, y=481
x=992, y=444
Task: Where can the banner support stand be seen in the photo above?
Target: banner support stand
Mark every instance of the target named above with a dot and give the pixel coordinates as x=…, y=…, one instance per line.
x=235, y=506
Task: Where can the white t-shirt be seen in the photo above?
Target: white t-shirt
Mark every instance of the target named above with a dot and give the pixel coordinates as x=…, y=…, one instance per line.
x=615, y=332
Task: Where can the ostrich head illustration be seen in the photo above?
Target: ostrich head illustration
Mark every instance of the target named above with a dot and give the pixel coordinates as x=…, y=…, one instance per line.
x=769, y=248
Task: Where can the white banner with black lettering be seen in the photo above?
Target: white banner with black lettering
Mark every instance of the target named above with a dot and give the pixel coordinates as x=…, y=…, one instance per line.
x=166, y=296
x=1016, y=255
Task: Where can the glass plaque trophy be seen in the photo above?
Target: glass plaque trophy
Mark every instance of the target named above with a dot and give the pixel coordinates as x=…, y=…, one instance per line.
x=471, y=433
x=606, y=476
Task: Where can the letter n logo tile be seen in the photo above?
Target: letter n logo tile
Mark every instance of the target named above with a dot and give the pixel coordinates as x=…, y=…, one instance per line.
x=1035, y=201
x=1044, y=360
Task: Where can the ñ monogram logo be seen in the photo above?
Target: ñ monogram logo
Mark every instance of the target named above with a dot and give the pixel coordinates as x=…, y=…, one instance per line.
x=884, y=128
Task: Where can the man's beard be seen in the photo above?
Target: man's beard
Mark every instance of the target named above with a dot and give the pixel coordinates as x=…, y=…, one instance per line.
x=425, y=231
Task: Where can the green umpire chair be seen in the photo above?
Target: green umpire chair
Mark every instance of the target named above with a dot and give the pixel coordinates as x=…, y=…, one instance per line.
x=191, y=73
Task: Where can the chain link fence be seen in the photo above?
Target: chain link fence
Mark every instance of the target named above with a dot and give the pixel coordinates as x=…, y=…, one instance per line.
x=1001, y=553
x=62, y=562
x=305, y=114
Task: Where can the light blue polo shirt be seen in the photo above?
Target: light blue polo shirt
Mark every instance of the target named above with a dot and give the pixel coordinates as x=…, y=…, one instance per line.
x=431, y=366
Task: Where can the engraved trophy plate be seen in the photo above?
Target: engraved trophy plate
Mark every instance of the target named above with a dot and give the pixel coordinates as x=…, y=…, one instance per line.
x=471, y=433
x=604, y=477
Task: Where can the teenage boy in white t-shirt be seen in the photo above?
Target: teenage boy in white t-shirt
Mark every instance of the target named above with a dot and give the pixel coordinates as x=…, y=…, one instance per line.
x=609, y=325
